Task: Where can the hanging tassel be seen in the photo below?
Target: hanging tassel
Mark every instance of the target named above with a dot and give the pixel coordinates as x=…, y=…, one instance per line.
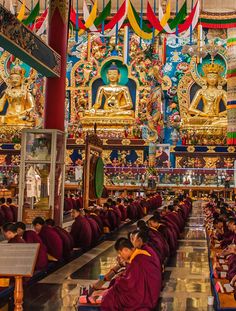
x=141, y=21
x=191, y=27
x=164, y=51
x=117, y=8
x=199, y=41
x=153, y=29
x=176, y=12
x=77, y=22
x=126, y=45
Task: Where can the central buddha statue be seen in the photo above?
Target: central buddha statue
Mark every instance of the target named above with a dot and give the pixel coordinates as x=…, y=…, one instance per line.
x=212, y=96
x=20, y=100
x=113, y=99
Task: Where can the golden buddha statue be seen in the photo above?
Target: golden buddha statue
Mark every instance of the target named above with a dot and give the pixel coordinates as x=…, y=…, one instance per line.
x=211, y=95
x=20, y=100
x=117, y=97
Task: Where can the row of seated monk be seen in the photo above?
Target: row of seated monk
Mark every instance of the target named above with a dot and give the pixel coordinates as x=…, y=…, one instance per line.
x=220, y=220
x=137, y=278
x=88, y=228
x=8, y=211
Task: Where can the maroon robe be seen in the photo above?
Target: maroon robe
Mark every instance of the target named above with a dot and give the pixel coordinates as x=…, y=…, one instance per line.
x=2, y=217
x=105, y=220
x=17, y=239
x=118, y=215
x=123, y=211
x=96, y=232
x=158, y=242
x=67, y=241
x=98, y=219
x=140, y=211
x=232, y=266
x=132, y=212
x=14, y=210
x=68, y=205
x=151, y=251
x=31, y=236
x=112, y=218
x=52, y=241
x=171, y=220
x=228, y=239
x=81, y=233
x=9, y=217
x=138, y=288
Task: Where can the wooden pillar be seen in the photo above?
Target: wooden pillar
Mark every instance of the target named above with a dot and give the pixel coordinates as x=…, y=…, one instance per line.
x=56, y=87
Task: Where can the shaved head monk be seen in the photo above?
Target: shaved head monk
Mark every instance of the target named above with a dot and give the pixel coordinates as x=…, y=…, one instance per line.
x=139, y=287
x=50, y=238
x=10, y=233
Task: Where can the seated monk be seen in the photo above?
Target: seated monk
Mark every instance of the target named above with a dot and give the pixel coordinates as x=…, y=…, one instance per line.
x=96, y=232
x=138, y=288
x=95, y=214
x=81, y=231
x=65, y=236
x=10, y=232
x=139, y=239
x=50, y=238
x=31, y=236
x=9, y=217
x=2, y=217
x=13, y=207
x=157, y=239
x=111, y=216
x=122, y=209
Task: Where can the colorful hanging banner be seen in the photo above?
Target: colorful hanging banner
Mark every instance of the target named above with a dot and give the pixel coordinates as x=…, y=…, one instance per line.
x=180, y=16
x=140, y=21
x=34, y=13
x=151, y=17
x=89, y=18
x=190, y=22
x=43, y=27
x=73, y=19
x=104, y=14
x=39, y=21
x=218, y=23
x=21, y=13
x=121, y=13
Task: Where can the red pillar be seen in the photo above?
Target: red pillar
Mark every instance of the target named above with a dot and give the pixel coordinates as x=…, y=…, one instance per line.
x=54, y=110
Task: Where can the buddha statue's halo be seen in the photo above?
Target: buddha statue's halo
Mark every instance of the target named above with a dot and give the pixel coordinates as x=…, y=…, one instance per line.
x=115, y=65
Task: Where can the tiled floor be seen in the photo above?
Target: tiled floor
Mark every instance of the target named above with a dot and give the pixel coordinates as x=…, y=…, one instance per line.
x=187, y=284
x=186, y=287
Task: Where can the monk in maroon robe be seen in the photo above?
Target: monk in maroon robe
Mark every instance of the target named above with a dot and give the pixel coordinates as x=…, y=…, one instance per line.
x=95, y=214
x=2, y=217
x=138, y=288
x=14, y=209
x=122, y=209
x=8, y=215
x=50, y=238
x=139, y=239
x=31, y=236
x=10, y=232
x=81, y=231
x=96, y=232
x=66, y=238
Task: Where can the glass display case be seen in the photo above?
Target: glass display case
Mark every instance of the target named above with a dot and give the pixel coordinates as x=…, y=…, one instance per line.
x=42, y=170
